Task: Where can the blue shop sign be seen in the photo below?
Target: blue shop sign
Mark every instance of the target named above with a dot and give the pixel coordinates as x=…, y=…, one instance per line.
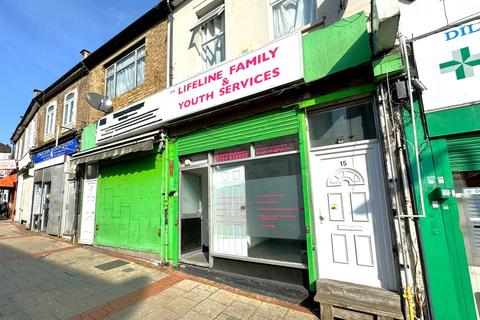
x=67, y=147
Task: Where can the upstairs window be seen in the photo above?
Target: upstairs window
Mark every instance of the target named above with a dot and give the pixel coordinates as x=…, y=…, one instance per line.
x=31, y=136
x=126, y=73
x=50, y=119
x=211, y=28
x=69, y=108
x=290, y=15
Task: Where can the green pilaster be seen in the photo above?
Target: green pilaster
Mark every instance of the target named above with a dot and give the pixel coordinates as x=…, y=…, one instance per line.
x=173, y=209
x=307, y=203
x=164, y=198
x=443, y=248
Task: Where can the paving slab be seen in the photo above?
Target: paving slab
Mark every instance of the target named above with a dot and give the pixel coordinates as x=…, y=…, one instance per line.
x=46, y=278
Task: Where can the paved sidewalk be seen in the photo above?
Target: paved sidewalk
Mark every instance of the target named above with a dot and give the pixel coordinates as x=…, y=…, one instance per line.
x=45, y=278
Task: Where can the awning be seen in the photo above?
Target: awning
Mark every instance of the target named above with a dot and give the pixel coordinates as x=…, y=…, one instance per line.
x=143, y=142
x=212, y=14
x=8, y=182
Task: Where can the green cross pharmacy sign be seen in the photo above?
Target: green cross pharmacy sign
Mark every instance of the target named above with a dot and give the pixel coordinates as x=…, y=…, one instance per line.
x=462, y=63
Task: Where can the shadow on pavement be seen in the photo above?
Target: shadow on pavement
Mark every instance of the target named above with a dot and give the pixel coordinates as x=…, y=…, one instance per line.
x=41, y=278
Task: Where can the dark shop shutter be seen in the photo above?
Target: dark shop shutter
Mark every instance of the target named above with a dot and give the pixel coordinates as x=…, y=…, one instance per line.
x=273, y=124
x=464, y=152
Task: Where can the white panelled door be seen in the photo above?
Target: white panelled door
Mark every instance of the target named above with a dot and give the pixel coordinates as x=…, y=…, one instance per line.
x=87, y=227
x=351, y=225
x=229, y=211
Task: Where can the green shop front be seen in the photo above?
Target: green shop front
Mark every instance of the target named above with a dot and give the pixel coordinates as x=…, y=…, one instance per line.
x=287, y=183
x=448, y=131
x=269, y=165
x=124, y=182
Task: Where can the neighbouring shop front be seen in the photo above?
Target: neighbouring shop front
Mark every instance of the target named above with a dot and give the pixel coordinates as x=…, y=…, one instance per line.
x=123, y=190
x=295, y=193
x=53, y=206
x=447, y=127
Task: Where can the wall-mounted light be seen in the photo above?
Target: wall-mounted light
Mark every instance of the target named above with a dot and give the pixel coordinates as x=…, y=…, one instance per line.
x=418, y=85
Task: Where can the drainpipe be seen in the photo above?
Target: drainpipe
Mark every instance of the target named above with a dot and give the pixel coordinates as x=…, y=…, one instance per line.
x=170, y=45
x=407, y=276
x=412, y=114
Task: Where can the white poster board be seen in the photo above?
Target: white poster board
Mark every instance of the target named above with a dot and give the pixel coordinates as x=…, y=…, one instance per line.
x=448, y=64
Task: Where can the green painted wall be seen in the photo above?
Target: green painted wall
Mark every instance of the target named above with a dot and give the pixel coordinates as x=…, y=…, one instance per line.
x=443, y=248
x=454, y=121
x=338, y=95
x=326, y=52
x=130, y=205
x=391, y=64
x=89, y=137
x=172, y=181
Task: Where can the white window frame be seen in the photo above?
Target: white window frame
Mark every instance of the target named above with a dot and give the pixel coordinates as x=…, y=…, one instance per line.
x=26, y=135
x=52, y=131
x=74, y=109
x=271, y=32
x=115, y=71
x=201, y=25
x=33, y=129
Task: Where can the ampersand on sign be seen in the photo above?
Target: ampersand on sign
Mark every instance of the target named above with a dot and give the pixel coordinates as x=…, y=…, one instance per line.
x=225, y=81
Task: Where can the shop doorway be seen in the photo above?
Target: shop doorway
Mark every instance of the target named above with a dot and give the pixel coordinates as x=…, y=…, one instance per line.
x=87, y=222
x=194, y=234
x=41, y=206
x=350, y=205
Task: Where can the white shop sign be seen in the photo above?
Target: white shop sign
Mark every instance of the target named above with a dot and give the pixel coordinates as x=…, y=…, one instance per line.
x=7, y=165
x=448, y=65
x=276, y=64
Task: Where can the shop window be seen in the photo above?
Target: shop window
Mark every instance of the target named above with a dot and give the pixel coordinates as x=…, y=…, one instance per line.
x=280, y=145
x=126, y=73
x=211, y=28
x=342, y=125
x=291, y=15
x=92, y=171
x=257, y=209
x=230, y=154
x=468, y=191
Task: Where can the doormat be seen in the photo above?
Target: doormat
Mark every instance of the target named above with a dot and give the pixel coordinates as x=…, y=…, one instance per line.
x=111, y=265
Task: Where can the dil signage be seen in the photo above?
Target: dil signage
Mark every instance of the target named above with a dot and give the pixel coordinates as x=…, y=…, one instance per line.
x=448, y=65
x=274, y=65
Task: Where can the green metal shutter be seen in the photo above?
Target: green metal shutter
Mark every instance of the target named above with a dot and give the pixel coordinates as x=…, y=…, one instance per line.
x=274, y=124
x=464, y=152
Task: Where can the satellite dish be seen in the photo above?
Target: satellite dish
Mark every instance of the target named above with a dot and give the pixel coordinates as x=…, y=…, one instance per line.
x=99, y=102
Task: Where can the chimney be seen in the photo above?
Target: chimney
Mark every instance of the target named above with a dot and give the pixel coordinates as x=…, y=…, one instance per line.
x=85, y=53
x=37, y=92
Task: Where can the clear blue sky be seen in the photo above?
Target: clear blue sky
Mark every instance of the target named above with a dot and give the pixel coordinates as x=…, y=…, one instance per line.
x=40, y=40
